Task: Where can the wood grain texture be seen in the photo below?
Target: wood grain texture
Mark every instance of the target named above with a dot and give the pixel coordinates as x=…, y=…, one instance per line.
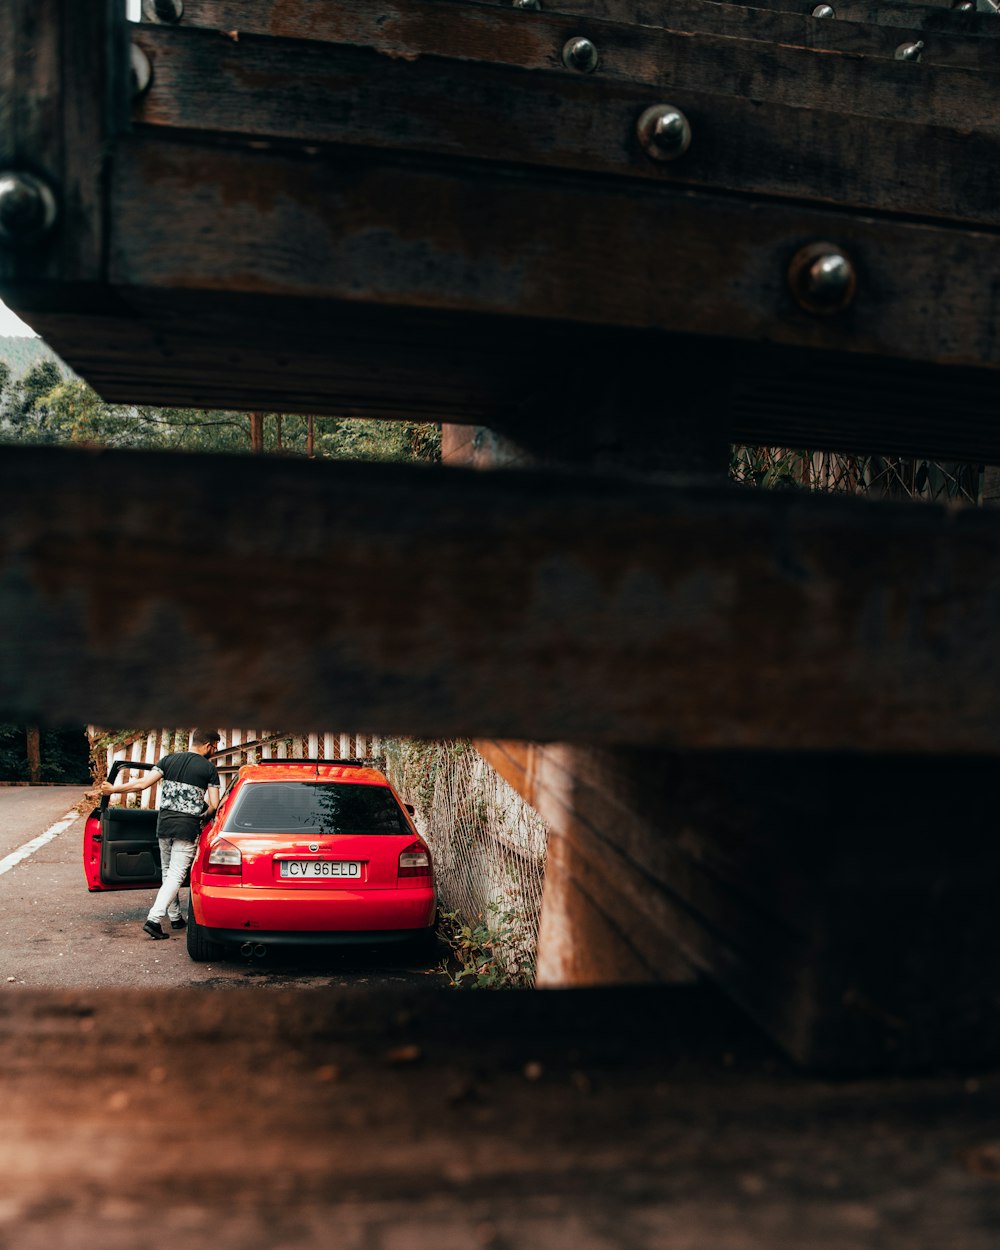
x=939, y=18
x=63, y=84
x=654, y=1121
x=603, y=920
x=271, y=268
x=567, y=251
x=241, y=351
x=846, y=903
x=538, y=606
x=879, y=136
x=532, y=40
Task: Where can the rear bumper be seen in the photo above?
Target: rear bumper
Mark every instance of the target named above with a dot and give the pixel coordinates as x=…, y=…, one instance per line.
x=358, y=937
x=305, y=914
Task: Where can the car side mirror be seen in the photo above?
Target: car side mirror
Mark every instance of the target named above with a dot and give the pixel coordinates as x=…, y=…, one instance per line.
x=410, y=808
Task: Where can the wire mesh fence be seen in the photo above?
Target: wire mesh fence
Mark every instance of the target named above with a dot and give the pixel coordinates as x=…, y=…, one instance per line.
x=489, y=852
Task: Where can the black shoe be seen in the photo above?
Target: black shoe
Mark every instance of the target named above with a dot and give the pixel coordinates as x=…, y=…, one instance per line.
x=153, y=929
x=179, y=923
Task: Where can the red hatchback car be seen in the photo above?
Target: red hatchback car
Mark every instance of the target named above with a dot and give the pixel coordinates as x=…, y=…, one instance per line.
x=300, y=852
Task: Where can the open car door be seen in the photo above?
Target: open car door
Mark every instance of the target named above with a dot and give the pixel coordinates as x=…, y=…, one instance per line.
x=120, y=850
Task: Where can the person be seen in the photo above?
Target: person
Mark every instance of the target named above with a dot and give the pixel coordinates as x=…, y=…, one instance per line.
x=189, y=797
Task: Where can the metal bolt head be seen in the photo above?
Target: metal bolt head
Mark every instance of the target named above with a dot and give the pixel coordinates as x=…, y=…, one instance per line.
x=822, y=278
x=142, y=71
x=910, y=51
x=533, y=5
x=166, y=11
x=664, y=132
x=824, y=10
x=580, y=54
x=964, y=6
x=27, y=207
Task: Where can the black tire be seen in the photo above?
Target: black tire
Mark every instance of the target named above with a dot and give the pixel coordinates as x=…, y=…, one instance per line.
x=199, y=946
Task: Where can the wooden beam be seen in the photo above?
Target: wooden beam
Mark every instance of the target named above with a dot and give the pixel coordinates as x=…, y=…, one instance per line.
x=648, y=1120
x=267, y=240
x=64, y=93
x=795, y=128
x=942, y=19
x=562, y=252
x=496, y=34
x=502, y=605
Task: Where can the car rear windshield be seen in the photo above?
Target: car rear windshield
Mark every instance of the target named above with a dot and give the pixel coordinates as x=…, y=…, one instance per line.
x=315, y=807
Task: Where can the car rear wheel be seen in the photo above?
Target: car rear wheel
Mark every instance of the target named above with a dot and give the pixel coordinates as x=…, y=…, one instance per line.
x=200, y=947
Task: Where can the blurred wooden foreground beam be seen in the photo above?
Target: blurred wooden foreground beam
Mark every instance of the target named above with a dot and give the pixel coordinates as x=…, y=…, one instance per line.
x=609, y=1120
x=148, y=588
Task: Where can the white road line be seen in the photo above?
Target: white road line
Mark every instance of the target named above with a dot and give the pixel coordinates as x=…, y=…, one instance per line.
x=14, y=858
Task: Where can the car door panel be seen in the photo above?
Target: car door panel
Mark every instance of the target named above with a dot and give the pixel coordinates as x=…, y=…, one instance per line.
x=130, y=853
x=120, y=850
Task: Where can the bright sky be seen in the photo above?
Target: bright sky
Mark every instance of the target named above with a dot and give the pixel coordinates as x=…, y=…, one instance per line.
x=11, y=323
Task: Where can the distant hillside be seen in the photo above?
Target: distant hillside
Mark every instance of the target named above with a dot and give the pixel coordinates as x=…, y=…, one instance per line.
x=21, y=352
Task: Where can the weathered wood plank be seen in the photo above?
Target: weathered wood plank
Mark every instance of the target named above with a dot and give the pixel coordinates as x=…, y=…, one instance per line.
x=561, y=251
x=498, y=34
x=210, y=348
x=939, y=18
x=63, y=92
x=437, y=1121
x=274, y=257
x=794, y=128
x=217, y=349
x=936, y=18
x=512, y=605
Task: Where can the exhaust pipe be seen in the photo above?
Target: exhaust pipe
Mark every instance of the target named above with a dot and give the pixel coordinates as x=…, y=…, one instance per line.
x=260, y=950
x=246, y=950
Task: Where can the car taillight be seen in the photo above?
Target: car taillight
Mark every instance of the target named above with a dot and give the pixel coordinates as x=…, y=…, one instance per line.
x=415, y=861
x=224, y=858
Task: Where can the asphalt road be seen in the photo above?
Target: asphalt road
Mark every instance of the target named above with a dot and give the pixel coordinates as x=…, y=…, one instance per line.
x=55, y=934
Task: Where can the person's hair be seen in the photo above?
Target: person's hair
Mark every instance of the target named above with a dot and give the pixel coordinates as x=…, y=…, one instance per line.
x=201, y=736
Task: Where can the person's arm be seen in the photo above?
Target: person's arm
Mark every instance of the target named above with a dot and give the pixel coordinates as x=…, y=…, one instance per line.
x=131, y=787
x=212, y=799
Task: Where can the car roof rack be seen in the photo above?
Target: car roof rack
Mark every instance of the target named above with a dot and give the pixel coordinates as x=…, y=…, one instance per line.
x=226, y=769
x=298, y=759
x=235, y=768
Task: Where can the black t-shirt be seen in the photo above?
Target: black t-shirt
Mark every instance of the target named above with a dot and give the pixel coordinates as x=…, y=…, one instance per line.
x=186, y=777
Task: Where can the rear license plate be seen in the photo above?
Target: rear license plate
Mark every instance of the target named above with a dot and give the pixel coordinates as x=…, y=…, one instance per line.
x=320, y=868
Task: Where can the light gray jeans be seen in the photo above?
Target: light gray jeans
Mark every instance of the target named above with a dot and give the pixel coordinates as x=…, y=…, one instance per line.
x=176, y=855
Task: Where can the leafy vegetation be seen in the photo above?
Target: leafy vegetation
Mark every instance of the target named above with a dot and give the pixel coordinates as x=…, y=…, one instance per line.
x=65, y=754
x=894, y=477
x=41, y=402
x=480, y=953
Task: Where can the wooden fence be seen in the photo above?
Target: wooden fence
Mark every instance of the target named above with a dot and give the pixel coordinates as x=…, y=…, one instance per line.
x=236, y=747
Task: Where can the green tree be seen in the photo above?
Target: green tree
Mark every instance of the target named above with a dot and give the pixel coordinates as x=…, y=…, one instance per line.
x=30, y=393
x=45, y=406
